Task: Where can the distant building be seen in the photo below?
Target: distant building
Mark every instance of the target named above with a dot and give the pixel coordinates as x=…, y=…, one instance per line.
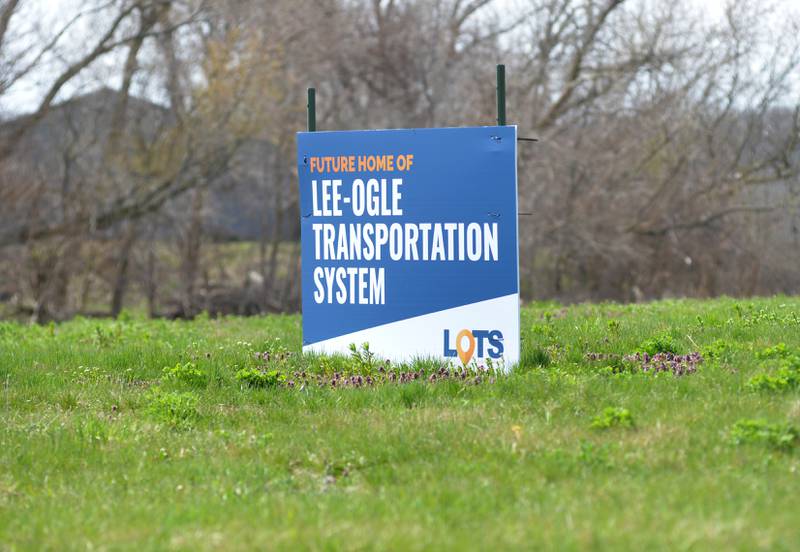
x=66, y=149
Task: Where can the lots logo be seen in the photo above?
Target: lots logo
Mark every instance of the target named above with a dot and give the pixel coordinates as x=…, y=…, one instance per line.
x=469, y=342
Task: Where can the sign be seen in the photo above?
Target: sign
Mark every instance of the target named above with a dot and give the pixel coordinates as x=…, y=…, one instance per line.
x=409, y=243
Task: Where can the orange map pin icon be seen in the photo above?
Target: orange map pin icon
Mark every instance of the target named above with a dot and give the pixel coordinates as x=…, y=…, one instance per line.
x=465, y=355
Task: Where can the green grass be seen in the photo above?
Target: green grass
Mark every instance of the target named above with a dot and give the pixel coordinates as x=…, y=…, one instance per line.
x=136, y=434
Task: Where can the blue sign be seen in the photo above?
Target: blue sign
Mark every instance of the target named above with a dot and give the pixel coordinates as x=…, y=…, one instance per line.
x=409, y=242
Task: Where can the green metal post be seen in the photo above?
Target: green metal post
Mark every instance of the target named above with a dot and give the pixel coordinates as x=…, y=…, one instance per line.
x=312, y=110
x=501, y=95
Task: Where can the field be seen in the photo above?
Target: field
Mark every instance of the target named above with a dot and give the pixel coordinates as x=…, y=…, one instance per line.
x=138, y=434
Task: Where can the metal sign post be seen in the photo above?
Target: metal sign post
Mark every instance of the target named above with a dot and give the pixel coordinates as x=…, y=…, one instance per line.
x=501, y=95
x=312, y=109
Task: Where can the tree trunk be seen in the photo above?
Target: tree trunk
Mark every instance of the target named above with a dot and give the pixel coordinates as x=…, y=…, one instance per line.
x=123, y=263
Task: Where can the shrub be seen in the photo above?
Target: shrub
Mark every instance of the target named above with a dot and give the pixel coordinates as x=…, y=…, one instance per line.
x=177, y=409
x=255, y=377
x=188, y=374
x=777, y=436
x=613, y=416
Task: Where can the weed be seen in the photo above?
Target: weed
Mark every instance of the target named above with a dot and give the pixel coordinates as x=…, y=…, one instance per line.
x=543, y=330
x=534, y=357
x=125, y=316
x=777, y=351
x=106, y=337
x=752, y=316
x=786, y=377
x=677, y=365
x=86, y=374
x=93, y=431
x=412, y=395
x=717, y=350
x=781, y=380
x=777, y=436
x=178, y=409
x=613, y=416
x=67, y=401
x=187, y=373
x=594, y=456
x=257, y=377
x=432, y=372
x=661, y=343
x=362, y=359
x=274, y=352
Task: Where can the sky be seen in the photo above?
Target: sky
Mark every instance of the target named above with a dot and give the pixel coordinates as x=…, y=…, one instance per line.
x=41, y=15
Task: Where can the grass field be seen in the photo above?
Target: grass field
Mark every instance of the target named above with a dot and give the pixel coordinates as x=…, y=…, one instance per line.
x=579, y=448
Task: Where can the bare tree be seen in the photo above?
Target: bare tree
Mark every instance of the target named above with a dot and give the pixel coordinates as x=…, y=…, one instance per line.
x=667, y=163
